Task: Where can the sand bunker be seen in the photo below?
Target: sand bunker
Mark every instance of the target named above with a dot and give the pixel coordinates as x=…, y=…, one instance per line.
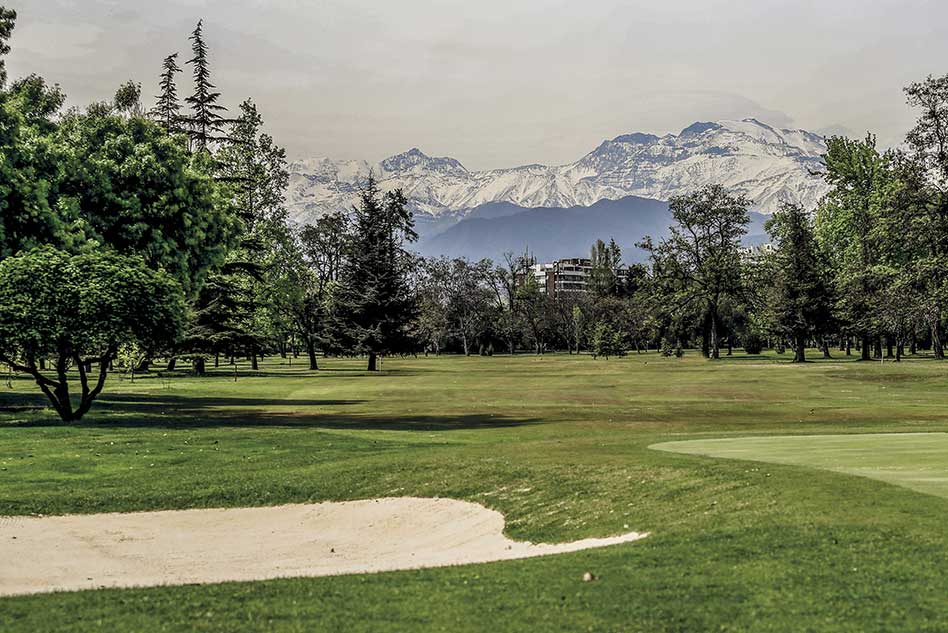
x=39, y=554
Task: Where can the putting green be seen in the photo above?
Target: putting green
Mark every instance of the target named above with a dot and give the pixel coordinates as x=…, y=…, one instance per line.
x=918, y=461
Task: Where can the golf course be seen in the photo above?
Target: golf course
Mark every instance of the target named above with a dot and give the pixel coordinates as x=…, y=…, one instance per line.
x=775, y=497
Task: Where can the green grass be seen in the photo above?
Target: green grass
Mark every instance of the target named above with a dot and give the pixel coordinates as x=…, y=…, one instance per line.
x=560, y=445
x=918, y=461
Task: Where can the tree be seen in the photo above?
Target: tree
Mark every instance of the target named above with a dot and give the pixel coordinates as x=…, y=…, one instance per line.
x=923, y=202
x=31, y=170
x=128, y=99
x=376, y=305
x=253, y=173
x=577, y=326
x=606, y=263
x=533, y=308
x=206, y=124
x=167, y=110
x=433, y=322
x=468, y=299
x=801, y=297
x=848, y=225
x=606, y=341
x=505, y=280
x=699, y=265
x=136, y=190
x=7, y=22
x=79, y=310
x=312, y=279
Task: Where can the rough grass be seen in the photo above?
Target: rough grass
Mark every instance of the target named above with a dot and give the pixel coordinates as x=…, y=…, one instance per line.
x=559, y=444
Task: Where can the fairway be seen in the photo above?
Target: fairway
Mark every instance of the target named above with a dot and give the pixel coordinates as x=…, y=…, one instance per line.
x=918, y=461
x=557, y=444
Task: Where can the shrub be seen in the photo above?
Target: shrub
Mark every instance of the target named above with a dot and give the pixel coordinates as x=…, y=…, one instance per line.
x=753, y=343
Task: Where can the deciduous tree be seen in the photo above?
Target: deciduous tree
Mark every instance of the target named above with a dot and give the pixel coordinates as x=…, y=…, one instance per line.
x=78, y=310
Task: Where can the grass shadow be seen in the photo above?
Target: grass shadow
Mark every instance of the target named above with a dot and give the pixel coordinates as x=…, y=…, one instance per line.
x=180, y=412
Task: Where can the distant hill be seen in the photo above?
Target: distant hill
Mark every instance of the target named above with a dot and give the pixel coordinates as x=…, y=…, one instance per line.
x=492, y=229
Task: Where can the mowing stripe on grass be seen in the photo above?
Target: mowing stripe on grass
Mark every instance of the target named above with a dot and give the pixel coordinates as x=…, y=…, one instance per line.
x=918, y=461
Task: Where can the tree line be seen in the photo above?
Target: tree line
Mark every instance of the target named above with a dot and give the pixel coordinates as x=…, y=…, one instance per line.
x=133, y=234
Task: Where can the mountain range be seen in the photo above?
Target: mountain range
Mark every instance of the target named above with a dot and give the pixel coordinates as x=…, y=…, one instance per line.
x=551, y=209
x=763, y=162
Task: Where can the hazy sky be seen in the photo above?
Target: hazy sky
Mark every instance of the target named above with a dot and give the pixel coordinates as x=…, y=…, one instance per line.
x=497, y=83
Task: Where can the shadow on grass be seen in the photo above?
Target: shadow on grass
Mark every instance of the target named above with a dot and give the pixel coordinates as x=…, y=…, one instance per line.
x=754, y=357
x=178, y=412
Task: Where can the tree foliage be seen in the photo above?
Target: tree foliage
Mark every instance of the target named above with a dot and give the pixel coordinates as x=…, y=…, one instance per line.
x=78, y=310
x=376, y=303
x=698, y=266
x=800, y=294
x=7, y=22
x=167, y=110
x=205, y=123
x=137, y=190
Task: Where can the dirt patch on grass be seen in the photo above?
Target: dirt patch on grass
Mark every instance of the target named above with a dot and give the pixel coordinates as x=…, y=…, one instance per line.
x=73, y=552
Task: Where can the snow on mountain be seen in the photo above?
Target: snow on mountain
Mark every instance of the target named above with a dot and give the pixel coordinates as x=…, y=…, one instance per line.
x=766, y=164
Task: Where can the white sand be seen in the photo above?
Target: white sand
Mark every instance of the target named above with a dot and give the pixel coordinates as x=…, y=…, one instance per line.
x=40, y=554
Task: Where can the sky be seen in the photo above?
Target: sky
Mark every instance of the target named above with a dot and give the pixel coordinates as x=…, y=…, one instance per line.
x=500, y=83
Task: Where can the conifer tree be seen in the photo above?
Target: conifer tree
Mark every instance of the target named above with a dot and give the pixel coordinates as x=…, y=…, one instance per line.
x=801, y=295
x=7, y=21
x=206, y=122
x=252, y=171
x=167, y=110
x=376, y=305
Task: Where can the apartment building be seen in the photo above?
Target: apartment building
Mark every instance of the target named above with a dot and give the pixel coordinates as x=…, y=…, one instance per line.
x=562, y=276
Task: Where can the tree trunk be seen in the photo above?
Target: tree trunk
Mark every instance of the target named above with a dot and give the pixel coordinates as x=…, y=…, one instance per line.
x=172, y=362
x=467, y=352
x=311, y=350
x=849, y=349
x=706, y=337
x=937, y=348
x=217, y=360
x=254, y=365
x=889, y=352
x=913, y=345
x=878, y=347
x=715, y=343
x=866, y=350
x=799, y=349
x=197, y=365
x=826, y=349
x=899, y=351
x=372, y=363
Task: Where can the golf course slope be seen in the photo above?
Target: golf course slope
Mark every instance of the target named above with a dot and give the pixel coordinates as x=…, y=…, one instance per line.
x=918, y=461
x=72, y=552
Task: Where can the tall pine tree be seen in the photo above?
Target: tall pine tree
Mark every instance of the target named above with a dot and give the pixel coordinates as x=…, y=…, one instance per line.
x=206, y=123
x=801, y=295
x=167, y=110
x=7, y=21
x=376, y=305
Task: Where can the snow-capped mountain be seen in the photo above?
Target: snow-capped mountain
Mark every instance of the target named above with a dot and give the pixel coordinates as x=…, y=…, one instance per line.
x=764, y=163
